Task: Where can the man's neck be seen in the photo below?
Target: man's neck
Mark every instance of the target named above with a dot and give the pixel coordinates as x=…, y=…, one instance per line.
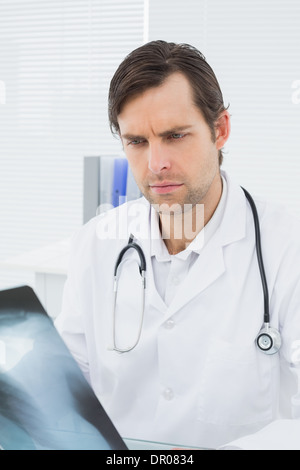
x=180, y=229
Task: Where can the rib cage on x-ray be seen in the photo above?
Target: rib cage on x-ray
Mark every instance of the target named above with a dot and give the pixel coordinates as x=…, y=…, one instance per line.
x=45, y=402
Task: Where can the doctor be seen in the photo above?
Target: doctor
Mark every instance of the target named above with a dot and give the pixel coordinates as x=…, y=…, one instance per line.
x=192, y=373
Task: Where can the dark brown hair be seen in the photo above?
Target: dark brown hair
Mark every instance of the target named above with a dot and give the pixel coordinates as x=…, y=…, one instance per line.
x=149, y=65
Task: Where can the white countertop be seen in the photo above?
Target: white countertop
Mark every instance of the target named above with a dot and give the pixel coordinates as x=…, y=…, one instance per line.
x=51, y=259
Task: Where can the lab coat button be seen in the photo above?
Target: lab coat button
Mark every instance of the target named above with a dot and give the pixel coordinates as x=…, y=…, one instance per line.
x=169, y=324
x=168, y=394
x=176, y=281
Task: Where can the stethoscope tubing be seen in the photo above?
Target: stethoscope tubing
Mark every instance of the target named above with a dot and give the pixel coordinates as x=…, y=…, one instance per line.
x=268, y=340
x=142, y=269
x=259, y=256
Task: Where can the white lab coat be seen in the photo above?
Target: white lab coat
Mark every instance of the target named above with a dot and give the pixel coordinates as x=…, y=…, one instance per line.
x=196, y=377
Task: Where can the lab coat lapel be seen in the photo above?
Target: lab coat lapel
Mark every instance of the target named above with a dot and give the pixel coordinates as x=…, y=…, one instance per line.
x=142, y=233
x=210, y=265
x=153, y=299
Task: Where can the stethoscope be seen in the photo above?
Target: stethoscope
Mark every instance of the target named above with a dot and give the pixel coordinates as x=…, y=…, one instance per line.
x=268, y=339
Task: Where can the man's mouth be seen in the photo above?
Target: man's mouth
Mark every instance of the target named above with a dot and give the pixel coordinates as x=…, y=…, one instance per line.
x=165, y=187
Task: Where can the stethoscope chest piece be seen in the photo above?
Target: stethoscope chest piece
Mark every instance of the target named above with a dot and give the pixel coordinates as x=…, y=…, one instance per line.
x=269, y=340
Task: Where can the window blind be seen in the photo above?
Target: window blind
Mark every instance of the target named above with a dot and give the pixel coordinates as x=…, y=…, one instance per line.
x=56, y=61
x=253, y=47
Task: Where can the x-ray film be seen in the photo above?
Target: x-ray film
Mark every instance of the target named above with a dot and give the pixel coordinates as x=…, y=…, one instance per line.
x=45, y=401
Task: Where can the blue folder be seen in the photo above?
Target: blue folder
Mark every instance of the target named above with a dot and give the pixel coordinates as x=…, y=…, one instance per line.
x=119, y=181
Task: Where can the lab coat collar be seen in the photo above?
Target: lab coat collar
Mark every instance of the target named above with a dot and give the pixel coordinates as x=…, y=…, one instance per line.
x=210, y=264
x=233, y=225
x=142, y=235
x=158, y=247
x=211, y=259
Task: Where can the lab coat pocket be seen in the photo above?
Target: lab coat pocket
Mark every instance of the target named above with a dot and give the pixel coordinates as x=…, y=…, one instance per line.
x=235, y=385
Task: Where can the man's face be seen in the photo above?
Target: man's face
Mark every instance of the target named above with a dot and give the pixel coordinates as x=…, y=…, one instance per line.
x=169, y=146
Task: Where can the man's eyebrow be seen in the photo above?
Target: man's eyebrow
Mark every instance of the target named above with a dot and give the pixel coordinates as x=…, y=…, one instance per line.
x=174, y=130
x=132, y=137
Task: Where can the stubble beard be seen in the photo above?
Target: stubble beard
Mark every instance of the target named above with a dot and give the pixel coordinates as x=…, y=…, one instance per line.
x=168, y=204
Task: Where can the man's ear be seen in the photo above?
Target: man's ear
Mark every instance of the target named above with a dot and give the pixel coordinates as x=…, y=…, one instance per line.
x=222, y=129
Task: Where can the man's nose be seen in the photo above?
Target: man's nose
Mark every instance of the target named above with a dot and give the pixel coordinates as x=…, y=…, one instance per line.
x=158, y=159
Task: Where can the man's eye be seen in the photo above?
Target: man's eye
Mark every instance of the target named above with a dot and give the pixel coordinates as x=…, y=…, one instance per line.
x=177, y=136
x=136, y=142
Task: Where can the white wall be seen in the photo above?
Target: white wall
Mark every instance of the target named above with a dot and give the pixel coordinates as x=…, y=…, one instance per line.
x=56, y=61
x=253, y=47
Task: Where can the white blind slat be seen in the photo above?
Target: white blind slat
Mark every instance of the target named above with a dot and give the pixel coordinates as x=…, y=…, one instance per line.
x=253, y=47
x=56, y=60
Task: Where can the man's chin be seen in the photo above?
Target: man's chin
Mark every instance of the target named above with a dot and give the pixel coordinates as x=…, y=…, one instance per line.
x=169, y=207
